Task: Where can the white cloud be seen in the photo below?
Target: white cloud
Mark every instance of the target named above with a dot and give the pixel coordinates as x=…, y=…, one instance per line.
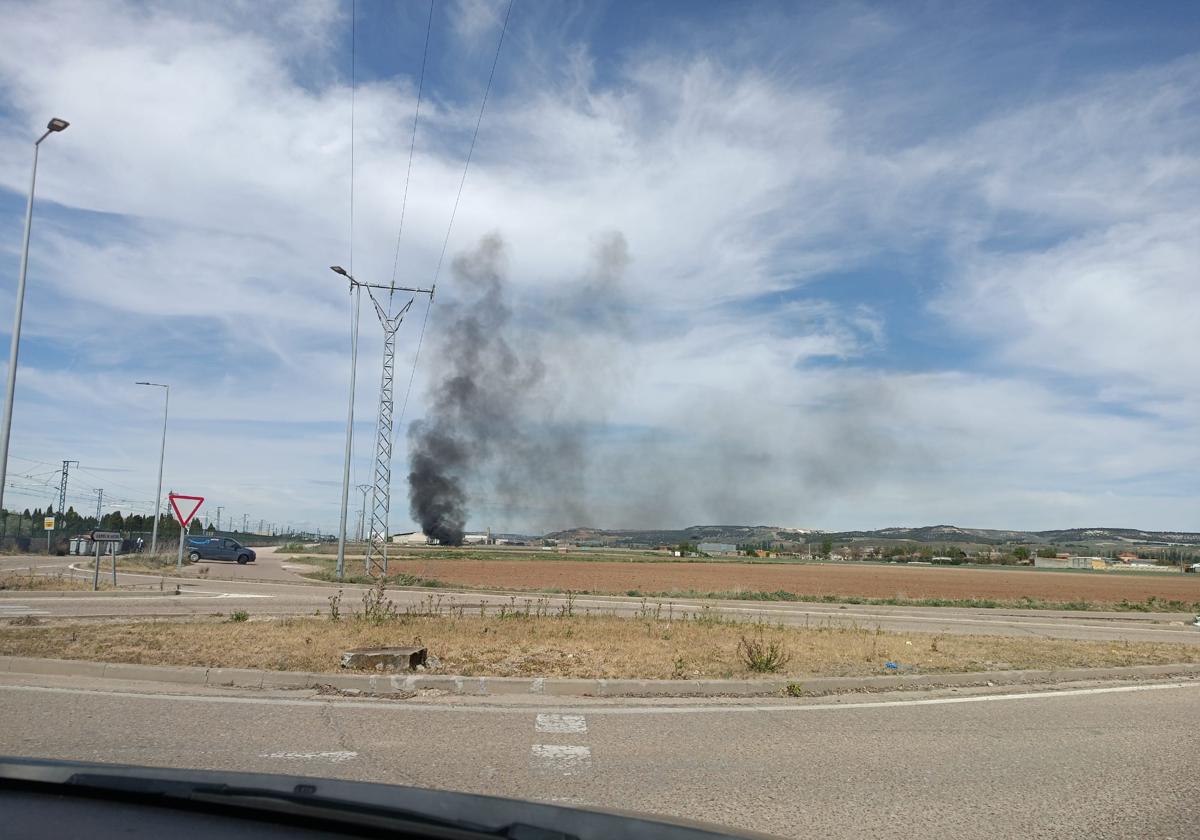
x=209, y=147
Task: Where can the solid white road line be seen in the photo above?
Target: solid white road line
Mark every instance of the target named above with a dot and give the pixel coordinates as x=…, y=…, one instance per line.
x=393, y=706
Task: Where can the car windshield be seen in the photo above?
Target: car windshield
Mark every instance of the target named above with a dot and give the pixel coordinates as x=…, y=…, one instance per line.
x=777, y=415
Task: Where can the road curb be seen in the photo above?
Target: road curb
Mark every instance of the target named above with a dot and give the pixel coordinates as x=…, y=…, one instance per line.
x=556, y=687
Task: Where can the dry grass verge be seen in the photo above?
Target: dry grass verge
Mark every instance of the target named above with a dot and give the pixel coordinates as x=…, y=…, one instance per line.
x=570, y=646
x=29, y=582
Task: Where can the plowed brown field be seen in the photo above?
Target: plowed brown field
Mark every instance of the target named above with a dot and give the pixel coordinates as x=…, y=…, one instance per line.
x=869, y=581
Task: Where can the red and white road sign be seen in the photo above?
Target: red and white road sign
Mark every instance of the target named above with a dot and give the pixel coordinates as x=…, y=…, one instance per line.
x=179, y=514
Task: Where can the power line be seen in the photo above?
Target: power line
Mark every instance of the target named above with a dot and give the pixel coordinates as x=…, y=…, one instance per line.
x=413, y=145
x=471, y=150
x=353, y=87
x=454, y=211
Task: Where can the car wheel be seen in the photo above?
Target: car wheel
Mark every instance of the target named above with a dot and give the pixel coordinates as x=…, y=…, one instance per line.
x=194, y=556
x=243, y=559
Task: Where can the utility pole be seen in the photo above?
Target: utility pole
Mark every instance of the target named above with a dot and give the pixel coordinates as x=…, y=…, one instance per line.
x=96, y=543
x=362, y=511
x=162, y=454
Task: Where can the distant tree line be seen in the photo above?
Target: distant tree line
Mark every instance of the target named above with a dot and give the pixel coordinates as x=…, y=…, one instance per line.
x=28, y=523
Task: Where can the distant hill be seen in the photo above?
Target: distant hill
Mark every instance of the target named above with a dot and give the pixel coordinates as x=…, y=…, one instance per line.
x=735, y=534
x=742, y=534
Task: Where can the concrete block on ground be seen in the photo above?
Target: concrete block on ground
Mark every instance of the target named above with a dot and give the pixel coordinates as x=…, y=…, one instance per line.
x=237, y=677
x=384, y=659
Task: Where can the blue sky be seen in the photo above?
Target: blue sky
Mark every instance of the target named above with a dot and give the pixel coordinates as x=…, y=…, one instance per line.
x=887, y=264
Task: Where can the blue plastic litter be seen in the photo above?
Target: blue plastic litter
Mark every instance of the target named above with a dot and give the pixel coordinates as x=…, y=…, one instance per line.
x=893, y=665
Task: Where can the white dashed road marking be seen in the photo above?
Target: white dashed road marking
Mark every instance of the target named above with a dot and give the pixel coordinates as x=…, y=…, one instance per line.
x=561, y=760
x=334, y=757
x=560, y=723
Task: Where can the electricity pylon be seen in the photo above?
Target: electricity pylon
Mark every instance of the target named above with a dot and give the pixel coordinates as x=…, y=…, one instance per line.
x=376, y=560
x=61, y=512
x=381, y=494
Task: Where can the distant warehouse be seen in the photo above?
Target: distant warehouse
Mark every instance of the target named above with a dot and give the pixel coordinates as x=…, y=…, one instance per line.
x=1069, y=562
x=717, y=548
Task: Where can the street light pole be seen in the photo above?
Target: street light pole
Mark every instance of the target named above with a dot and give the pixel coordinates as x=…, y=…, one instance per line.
x=14, y=347
x=341, y=552
x=161, y=454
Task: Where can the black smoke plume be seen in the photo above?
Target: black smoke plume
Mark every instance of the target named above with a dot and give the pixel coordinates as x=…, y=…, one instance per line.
x=497, y=390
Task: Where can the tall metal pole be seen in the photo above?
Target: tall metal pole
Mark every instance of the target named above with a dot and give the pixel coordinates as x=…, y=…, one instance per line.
x=15, y=344
x=362, y=512
x=162, y=452
x=341, y=552
x=96, y=542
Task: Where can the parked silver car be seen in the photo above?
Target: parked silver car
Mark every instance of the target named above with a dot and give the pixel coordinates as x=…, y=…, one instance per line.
x=218, y=548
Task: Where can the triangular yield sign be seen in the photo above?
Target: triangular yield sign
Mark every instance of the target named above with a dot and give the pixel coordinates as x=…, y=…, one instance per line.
x=184, y=520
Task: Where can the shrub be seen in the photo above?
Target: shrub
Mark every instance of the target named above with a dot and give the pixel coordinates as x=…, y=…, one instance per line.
x=239, y=615
x=762, y=656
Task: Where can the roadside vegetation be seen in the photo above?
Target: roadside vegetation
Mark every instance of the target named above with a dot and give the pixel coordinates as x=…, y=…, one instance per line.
x=533, y=637
x=30, y=582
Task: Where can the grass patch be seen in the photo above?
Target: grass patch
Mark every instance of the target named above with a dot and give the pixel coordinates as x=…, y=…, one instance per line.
x=29, y=582
x=400, y=579
x=582, y=646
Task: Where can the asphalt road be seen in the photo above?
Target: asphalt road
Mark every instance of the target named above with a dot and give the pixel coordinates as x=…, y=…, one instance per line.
x=1096, y=763
x=273, y=586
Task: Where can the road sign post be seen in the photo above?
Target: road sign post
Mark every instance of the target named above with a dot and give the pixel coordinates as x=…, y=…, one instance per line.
x=183, y=519
x=48, y=527
x=111, y=537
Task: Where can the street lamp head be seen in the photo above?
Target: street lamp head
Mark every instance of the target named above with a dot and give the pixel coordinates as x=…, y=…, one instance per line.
x=337, y=269
x=56, y=124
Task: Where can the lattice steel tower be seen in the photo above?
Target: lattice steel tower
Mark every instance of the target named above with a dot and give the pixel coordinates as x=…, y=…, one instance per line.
x=381, y=494
x=61, y=511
